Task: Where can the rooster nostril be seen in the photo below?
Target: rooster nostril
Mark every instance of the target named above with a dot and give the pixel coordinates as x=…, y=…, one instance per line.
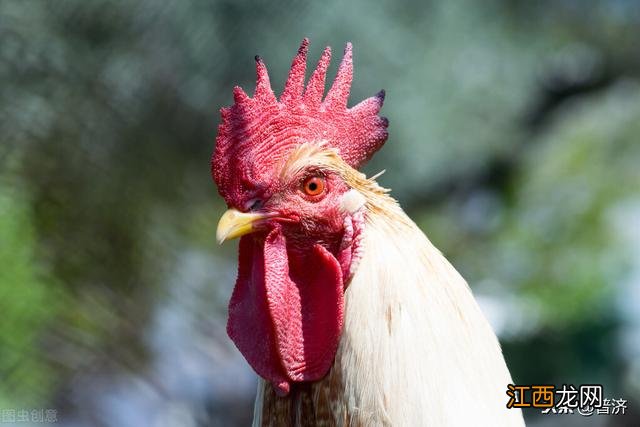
x=254, y=204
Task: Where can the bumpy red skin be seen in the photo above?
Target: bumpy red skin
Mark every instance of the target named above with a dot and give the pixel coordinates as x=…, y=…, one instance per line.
x=287, y=308
x=286, y=311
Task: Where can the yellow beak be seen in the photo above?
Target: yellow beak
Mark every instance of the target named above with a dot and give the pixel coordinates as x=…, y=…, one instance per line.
x=234, y=223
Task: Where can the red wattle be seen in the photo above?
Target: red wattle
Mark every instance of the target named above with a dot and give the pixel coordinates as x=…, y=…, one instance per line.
x=249, y=325
x=286, y=311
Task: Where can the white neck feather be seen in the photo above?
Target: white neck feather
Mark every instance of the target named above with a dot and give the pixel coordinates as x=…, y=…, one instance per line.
x=416, y=349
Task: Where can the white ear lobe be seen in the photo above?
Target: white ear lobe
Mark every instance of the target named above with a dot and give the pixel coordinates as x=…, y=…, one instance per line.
x=352, y=201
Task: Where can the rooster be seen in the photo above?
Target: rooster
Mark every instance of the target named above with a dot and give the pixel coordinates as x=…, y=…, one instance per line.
x=342, y=306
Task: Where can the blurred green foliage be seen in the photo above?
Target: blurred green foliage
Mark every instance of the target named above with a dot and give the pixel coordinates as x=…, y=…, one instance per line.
x=513, y=143
x=27, y=303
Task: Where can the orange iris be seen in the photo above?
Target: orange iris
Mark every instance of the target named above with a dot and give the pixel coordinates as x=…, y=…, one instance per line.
x=313, y=186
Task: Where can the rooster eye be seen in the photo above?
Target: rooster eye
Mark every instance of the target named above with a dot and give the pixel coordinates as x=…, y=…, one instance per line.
x=313, y=186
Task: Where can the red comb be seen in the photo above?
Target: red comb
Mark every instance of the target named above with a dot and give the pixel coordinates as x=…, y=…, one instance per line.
x=255, y=132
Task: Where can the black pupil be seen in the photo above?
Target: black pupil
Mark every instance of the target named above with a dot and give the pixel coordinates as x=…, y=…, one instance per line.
x=313, y=186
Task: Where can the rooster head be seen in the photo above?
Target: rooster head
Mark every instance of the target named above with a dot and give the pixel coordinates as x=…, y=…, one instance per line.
x=287, y=169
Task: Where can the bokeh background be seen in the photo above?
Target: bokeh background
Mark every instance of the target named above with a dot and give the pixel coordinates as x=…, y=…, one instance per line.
x=514, y=144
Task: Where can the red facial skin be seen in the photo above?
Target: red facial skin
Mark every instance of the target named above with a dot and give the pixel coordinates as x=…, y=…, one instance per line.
x=309, y=219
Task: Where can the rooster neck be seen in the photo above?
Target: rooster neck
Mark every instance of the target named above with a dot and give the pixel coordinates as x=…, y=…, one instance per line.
x=415, y=348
